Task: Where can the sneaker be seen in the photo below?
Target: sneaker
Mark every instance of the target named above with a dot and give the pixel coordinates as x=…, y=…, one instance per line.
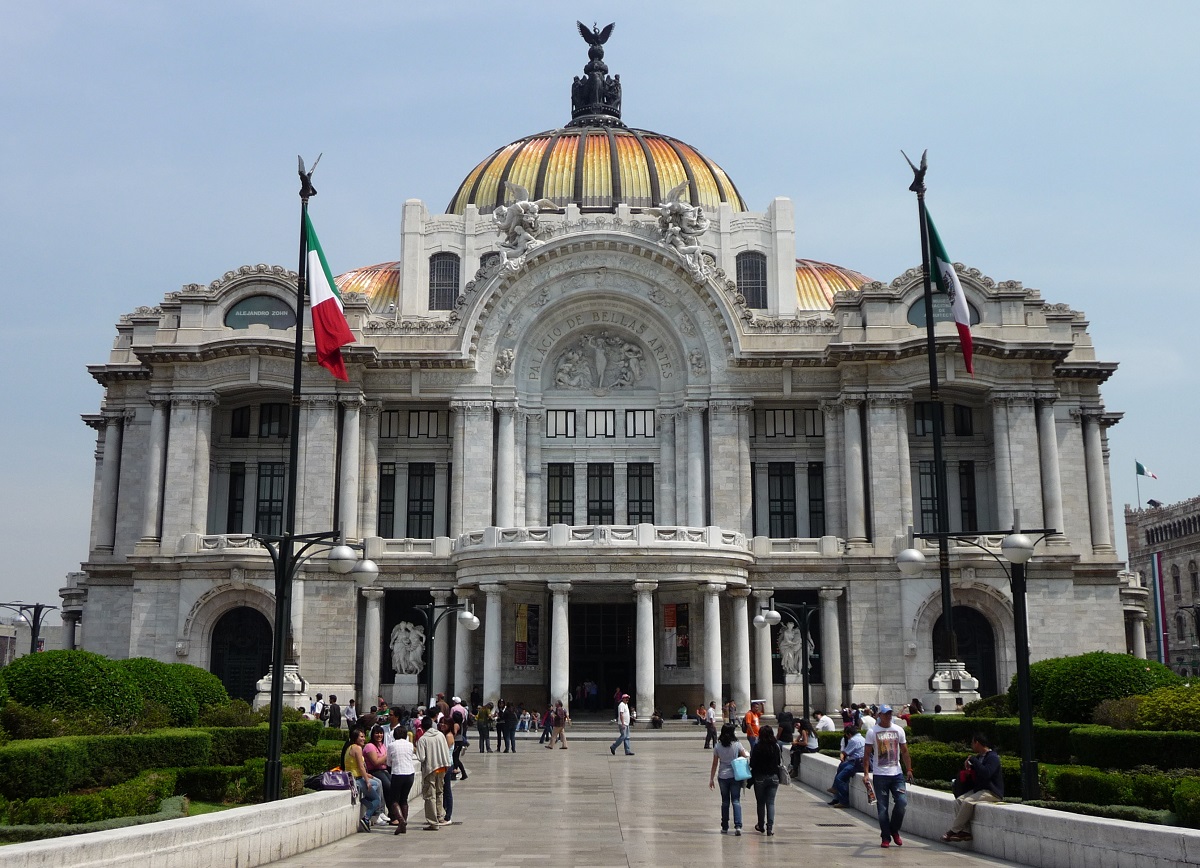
x=612, y=750
x=897, y=839
x=770, y=833
x=364, y=825
x=885, y=843
x=431, y=827
x=738, y=831
x=838, y=805
x=446, y=823
x=724, y=831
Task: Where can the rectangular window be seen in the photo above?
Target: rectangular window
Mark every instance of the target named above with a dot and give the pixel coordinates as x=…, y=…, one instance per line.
x=814, y=423
x=781, y=499
x=924, y=417
x=237, y=496
x=641, y=493
x=268, y=509
x=239, y=422
x=422, y=423
x=966, y=493
x=927, y=493
x=560, y=493
x=387, y=500
x=273, y=420
x=600, y=423
x=639, y=423
x=816, y=499
x=600, y=505
x=560, y=423
x=420, y=500
x=964, y=422
x=779, y=423
x=389, y=424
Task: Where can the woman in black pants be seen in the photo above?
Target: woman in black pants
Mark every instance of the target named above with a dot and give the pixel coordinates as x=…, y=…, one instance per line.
x=764, y=770
x=458, y=727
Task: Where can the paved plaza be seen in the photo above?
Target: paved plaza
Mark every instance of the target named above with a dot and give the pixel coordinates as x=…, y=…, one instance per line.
x=584, y=807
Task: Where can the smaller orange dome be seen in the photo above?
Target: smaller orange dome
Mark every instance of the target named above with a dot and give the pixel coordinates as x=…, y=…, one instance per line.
x=379, y=283
x=816, y=283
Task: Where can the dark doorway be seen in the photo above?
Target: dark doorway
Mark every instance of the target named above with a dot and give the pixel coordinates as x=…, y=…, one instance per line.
x=602, y=648
x=241, y=651
x=976, y=646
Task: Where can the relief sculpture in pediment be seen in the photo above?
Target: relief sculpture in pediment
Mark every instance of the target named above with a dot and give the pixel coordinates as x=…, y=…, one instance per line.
x=600, y=361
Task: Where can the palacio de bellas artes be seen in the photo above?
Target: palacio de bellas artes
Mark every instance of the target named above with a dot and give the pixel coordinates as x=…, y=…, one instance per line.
x=599, y=402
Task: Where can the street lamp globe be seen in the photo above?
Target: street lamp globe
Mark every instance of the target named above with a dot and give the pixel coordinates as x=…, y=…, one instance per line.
x=365, y=569
x=342, y=559
x=772, y=617
x=910, y=562
x=1016, y=548
x=468, y=619
x=759, y=621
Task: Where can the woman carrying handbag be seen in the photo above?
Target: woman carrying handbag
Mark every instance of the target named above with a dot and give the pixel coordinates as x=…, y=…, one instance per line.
x=765, y=760
x=726, y=752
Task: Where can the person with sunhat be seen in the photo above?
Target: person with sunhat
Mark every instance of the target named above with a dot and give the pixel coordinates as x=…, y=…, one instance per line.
x=622, y=726
x=886, y=753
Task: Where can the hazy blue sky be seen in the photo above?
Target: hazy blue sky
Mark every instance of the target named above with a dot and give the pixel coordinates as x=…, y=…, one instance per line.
x=148, y=145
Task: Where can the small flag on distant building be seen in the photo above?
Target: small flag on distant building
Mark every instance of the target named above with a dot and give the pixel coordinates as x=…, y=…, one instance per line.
x=1143, y=470
x=947, y=281
x=331, y=332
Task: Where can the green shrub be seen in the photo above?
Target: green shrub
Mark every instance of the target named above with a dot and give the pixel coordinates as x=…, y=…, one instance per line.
x=991, y=706
x=826, y=741
x=302, y=734
x=1051, y=741
x=170, y=809
x=948, y=728
x=3, y=690
x=1081, y=683
x=1171, y=708
x=1187, y=802
x=22, y=722
x=1093, y=786
x=1118, y=713
x=206, y=688
x=24, y=767
x=1107, y=748
x=206, y=783
x=159, y=682
x=1040, y=674
x=115, y=758
x=235, y=712
x=1109, y=812
x=142, y=795
x=315, y=759
x=78, y=680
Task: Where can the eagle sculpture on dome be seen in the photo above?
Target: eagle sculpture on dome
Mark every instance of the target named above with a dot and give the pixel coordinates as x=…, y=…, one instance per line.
x=595, y=36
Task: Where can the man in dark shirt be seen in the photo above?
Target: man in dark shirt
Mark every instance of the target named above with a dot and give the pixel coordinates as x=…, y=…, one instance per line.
x=988, y=786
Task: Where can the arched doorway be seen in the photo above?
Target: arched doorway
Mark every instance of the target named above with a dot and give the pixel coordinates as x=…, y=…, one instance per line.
x=976, y=646
x=241, y=651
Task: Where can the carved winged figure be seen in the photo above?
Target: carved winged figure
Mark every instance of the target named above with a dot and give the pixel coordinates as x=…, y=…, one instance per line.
x=790, y=643
x=595, y=36
x=407, y=644
x=680, y=225
x=518, y=225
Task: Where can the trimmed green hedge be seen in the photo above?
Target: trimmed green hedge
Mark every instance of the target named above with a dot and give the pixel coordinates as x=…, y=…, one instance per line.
x=206, y=688
x=75, y=680
x=1187, y=802
x=1051, y=741
x=171, y=809
x=1082, y=784
x=206, y=783
x=1109, y=812
x=141, y=795
x=1107, y=748
x=1081, y=683
x=160, y=683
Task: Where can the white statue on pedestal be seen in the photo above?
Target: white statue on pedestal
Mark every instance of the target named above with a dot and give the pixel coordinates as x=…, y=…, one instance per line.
x=408, y=648
x=518, y=224
x=790, y=648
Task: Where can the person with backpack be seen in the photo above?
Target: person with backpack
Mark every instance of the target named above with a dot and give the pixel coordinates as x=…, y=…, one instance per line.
x=559, y=720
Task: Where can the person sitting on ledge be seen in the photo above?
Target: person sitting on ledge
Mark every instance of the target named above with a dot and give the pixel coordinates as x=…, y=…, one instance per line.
x=987, y=786
x=656, y=720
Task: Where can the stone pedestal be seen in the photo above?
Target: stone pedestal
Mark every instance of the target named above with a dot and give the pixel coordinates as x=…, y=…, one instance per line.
x=942, y=686
x=295, y=689
x=405, y=691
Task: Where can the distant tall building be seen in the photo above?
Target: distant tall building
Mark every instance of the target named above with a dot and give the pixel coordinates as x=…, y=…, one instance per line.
x=1164, y=548
x=602, y=402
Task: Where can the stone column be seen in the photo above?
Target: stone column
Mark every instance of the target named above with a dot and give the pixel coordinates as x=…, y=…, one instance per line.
x=506, y=465
x=491, y=642
x=856, y=511
x=181, y=468
x=441, y=492
x=535, y=495
x=462, y=649
x=368, y=516
x=831, y=649
x=905, y=462
x=458, y=415
x=202, y=470
x=1139, y=635
x=560, y=644
x=762, y=473
x=318, y=450
x=1003, y=460
x=835, y=480
x=712, y=642
x=372, y=645
x=765, y=676
x=441, y=645
x=1097, y=487
x=110, y=475
x=1052, y=505
x=664, y=509
x=695, y=460
x=155, y=455
x=739, y=656
x=478, y=463
x=348, y=496
x=884, y=482
x=729, y=509
x=644, y=594
x=746, y=509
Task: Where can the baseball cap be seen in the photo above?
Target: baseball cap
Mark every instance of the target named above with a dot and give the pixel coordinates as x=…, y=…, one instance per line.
x=456, y=699
x=887, y=709
x=624, y=695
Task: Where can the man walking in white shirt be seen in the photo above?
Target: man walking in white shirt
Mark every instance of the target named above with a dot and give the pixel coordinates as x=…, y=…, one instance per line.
x=622, y=726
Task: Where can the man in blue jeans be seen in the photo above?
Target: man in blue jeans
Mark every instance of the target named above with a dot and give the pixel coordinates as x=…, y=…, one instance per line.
x=887, y=752
x=853, y=747
x=622, y=726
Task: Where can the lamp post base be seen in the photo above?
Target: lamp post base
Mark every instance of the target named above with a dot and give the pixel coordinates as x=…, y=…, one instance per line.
x=295, y=689
x=950, y=682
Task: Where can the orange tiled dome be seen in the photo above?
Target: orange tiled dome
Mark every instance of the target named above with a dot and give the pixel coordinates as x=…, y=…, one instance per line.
x=379, y=283
x=816, y=283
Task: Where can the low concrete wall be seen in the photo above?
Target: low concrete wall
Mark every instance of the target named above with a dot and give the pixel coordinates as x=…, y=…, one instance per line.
x=1030, y=836
x=248, y=836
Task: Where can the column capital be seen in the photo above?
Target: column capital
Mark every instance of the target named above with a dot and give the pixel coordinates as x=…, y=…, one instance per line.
x=1008, y=398
x=829, y=594
x=829, y=406
x=440, y=595
x=492, y=589
x=319, y=402
x=851, y=400
x=464, y=594
x=373, y=595
x=714, y=587
x=889, y=399
x=371, y=409
x=1081, y=414
x=506, y=408
x=645, y=587
x=559, y=587
x=470, y=408
x=194, y=399
x=727, y=406
x=533, y=415
x=739, y=591
x=695, y=408
x=352, y=402
x=763, y=593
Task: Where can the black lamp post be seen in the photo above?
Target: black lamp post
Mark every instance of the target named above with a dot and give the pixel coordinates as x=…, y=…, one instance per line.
x=433, y=615
x=799, y=614
x=32, y=614
x=1017, y=548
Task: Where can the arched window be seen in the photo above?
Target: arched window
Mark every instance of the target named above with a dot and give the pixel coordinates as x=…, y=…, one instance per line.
x=1175, y=580
x=443, y=281
x=1180, y=627
x=1195, y=578
x=752, y=278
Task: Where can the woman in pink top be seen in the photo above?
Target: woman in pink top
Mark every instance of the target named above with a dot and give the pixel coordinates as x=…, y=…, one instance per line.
x=375, y=756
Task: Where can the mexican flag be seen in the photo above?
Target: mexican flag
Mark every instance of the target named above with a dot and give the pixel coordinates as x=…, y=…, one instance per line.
x=946, y=279
x=1143, y=470
x=330, y=330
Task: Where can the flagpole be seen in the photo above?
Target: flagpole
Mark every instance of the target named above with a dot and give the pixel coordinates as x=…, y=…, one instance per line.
x=1137, y=480
x=949, y=650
